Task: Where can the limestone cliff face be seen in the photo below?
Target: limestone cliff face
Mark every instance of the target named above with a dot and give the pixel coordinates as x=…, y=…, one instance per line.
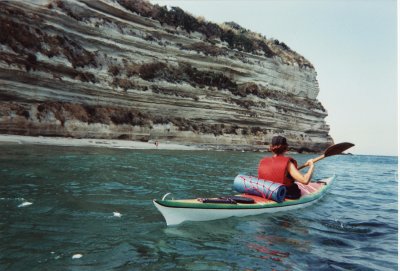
x=132, y=70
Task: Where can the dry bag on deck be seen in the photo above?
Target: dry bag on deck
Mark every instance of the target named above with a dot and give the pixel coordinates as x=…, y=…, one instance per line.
x=262, y=188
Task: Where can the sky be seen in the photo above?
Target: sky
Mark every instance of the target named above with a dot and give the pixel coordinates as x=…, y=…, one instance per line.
x=353, y=47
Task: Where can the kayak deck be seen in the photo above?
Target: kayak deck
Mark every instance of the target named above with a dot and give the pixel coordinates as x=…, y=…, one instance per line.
x=178, y=211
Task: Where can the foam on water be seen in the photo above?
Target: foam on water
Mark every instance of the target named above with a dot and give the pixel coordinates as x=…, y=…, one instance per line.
x=77, y=256
x=24, y=204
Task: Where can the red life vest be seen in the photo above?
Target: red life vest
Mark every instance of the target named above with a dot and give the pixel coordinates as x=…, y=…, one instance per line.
x=275, y=169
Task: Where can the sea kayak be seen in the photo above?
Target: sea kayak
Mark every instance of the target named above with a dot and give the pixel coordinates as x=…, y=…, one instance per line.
x=178, y=211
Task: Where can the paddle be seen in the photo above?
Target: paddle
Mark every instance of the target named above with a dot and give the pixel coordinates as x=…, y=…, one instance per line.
x=332, y=150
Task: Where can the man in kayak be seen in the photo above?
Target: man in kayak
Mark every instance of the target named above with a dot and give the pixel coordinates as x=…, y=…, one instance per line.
x=283, y=169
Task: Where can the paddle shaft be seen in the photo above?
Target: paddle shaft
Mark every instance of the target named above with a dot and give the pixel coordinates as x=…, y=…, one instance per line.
x=332, y=150
x=314, y=160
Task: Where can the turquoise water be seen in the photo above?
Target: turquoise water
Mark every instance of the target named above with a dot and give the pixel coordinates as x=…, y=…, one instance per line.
x=57, y=202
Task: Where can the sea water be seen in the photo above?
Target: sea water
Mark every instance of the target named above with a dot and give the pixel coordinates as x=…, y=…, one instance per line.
x=68, y=208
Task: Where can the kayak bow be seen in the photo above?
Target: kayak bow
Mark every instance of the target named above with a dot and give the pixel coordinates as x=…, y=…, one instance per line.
x=178, y=211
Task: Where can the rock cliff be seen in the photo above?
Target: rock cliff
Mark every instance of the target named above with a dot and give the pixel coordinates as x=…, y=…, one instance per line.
x=137, y=71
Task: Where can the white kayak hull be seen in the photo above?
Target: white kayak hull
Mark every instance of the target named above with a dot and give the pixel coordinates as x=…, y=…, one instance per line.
x=178, y=211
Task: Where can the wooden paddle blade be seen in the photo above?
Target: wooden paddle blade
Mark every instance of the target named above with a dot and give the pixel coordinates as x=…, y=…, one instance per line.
x=338, y=148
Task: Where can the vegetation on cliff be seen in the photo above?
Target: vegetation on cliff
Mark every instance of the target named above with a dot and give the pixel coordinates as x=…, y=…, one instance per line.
x=64, y=111
x=232, y=33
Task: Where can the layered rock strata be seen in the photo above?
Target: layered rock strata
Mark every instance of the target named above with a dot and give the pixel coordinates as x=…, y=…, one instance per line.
x=136, y=71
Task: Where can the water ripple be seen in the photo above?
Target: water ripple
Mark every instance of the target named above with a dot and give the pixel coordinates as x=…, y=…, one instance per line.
x=76, y=193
